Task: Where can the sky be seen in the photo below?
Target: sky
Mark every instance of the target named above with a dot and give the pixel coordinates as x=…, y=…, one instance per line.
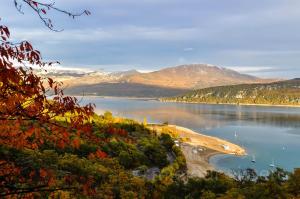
x=257, y=37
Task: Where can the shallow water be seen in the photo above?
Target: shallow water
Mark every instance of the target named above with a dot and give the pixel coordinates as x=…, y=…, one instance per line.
x=271, y=134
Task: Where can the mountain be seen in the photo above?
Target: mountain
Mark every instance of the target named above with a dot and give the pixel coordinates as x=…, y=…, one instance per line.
x=92, y=78
x=277, y=93
x=162, y=83
x=124, y=74
x=192, y=76
x=124, y=90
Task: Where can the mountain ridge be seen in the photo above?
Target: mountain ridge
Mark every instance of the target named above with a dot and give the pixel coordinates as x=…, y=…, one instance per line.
x=193, y=76
x=166, y=80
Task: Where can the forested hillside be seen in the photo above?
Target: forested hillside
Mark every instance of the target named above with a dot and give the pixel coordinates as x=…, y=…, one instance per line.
x=116, y=160
x=278, y=93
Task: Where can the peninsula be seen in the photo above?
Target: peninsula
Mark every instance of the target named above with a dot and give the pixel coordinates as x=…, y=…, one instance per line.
x=198, y=148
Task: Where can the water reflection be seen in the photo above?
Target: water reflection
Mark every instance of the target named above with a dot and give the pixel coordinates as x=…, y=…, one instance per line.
x=266, y=132
x=206, y=116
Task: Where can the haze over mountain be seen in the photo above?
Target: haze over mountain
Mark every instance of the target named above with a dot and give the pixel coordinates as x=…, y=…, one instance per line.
x=166, y=82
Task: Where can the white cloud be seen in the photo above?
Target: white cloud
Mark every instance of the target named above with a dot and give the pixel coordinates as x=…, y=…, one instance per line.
x=56, y=67
x=188, y=49
x=109, y=34
x=68, y=68
x=145, y=71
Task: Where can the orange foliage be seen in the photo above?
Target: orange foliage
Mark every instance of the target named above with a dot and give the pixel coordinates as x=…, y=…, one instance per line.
x=117, y=131
x=100, y=154
x=27, y=117
x=43, y=173
x=76, y=143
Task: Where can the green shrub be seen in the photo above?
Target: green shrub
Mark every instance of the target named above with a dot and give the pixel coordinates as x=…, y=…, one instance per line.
x=166, y=141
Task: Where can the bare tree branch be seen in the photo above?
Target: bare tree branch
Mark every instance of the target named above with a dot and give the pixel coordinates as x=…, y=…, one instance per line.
x=41, y=10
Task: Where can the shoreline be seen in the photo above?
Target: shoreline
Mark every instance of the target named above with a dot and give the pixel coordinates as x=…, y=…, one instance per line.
x=199, y=139
x=184, y=102
x=199, y=148
x=119, y=97
x=233, y=104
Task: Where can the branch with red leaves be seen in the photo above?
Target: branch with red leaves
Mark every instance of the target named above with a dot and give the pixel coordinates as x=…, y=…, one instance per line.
x=41, y=9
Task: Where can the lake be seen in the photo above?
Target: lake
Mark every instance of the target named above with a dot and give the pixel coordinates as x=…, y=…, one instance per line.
x=269, y=134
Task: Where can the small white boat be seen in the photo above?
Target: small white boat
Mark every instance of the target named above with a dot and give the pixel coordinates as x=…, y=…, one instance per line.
x=272, y=164
x=253, y=159
x=235, y=134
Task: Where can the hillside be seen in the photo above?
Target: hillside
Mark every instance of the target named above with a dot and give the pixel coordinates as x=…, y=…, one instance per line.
x=277, y=93
x=162, y=83
x=124, y=90
x=124, y=159
x=193, y=76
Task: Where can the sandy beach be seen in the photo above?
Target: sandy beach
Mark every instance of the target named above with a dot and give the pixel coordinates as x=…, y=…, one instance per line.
x=198, y=148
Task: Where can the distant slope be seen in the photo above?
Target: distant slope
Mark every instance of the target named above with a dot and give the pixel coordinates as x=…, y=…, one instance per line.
x=95, y=78
x=124, y=74
x=277, y=93
x=124, y=90
x=192, y=76
x=162, y=83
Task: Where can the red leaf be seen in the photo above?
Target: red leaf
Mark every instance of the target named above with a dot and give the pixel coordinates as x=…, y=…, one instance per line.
x=43, y=173
x=44, y=11
x=76, y=143
x=65, y=135
x=61, y=144
x=35, y=3
x=101, y=154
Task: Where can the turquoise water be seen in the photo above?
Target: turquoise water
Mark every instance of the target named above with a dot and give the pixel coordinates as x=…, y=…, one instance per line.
x=271, y=134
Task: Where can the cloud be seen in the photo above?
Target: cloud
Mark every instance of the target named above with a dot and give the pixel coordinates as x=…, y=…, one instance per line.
x=188, y=49
x=145, y=71
x=150, y=33
x=54, y=67
x=123, y=33
x=68, y=68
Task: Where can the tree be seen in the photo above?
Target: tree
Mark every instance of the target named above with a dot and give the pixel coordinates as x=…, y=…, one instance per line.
x=294, y=182
x=28, y=119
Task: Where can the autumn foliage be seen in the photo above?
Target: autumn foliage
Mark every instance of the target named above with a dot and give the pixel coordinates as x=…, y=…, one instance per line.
x=28, y=116
x=24, y=96
x=51, y=147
